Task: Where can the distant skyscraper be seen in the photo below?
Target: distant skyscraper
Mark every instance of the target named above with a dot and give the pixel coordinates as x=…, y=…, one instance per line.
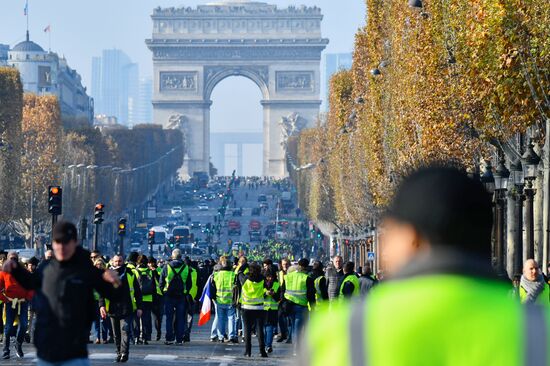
x=141, y=111
x=114, y=84
x=334, y=62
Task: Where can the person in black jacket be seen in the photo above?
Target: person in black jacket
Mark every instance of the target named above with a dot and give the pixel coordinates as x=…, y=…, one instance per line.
x=64, y=298
x=120, y=310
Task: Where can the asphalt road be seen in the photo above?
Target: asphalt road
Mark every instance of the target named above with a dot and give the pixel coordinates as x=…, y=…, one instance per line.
x=200, y=351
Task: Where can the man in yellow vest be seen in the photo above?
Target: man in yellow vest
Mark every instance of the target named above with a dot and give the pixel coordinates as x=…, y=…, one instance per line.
x=222, y=294
x=149, y=287
x=443, y=304
x=175, y=282
x=350, y=282
x=120, y=309
x=284, y=320
x=299, y=291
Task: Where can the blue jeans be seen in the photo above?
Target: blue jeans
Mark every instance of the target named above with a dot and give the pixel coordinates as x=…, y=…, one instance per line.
x=214, y=330
x=298, y=318
x=226, y=317
x=269, y=330
x=23, y=310
x=73, y=362
x=175, y=315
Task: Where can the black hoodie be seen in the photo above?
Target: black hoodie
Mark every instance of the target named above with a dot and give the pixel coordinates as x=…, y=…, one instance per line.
x=64, y=304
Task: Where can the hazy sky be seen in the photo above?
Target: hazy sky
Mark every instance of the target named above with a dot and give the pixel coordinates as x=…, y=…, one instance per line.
x=81, y=29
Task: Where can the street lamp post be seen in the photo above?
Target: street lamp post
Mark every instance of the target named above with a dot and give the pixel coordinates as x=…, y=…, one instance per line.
x=516, y=177
x=488, y=181
x=530, y=163
x=501, y=176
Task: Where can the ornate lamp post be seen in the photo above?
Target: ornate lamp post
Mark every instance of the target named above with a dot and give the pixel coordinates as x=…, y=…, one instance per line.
x=530, y=163
x=501, y=176
x=516, y=177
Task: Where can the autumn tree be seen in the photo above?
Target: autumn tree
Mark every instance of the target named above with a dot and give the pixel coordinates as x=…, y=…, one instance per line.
x=11, y=105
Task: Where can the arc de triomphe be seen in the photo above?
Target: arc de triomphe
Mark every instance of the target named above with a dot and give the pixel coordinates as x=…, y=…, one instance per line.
x=195, y=48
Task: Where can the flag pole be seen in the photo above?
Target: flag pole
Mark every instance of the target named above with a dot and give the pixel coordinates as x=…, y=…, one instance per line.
x=27, y=14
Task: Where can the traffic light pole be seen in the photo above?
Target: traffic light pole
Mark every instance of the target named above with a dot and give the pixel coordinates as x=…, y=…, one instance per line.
x=96, y=237
x=121, y=247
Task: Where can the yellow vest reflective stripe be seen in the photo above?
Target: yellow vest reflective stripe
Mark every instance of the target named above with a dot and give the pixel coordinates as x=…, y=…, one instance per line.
x=296, y=288
x=130, y=277
x=194, y=287
x=224, y=286
x=281, y=276
x=171, y=272
x=353, y=279
x=252, y=295
x=269, y=301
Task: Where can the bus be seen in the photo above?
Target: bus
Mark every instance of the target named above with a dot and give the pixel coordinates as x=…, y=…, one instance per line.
x=182, y=235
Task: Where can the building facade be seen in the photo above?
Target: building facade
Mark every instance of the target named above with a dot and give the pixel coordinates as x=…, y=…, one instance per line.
x=46, y=73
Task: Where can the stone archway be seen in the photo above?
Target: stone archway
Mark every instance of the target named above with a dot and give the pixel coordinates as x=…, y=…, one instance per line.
x=196, y=48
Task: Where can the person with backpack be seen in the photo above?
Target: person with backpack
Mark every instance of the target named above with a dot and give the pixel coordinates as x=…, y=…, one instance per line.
x=148, y=286
x=175, y=282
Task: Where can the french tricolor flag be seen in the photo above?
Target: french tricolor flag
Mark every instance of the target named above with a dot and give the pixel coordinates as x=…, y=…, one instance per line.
x=204, y=316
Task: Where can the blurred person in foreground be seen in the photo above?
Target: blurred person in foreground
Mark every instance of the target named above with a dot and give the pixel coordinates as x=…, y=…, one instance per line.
x=442, y=304
x=64, y=300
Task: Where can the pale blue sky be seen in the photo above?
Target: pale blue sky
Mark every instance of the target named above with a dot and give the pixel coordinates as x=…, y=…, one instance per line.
x=81, y=29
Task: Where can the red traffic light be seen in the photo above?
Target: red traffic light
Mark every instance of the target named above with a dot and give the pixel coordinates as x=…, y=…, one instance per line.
x=54, y=191
x=151, y=234
x=99, y=206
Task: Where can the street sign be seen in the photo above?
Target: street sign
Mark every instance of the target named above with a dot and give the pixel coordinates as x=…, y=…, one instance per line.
x=370, y=256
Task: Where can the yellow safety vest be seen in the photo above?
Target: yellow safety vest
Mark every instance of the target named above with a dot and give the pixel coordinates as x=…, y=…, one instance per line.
x=147, y=271
x=296, y=288
x=318, y=293
x=130, y=277
x=171, y=272
x=194, y=288
x=252, y=295
x=353, y=279
x=269, y=301
x=224, y=281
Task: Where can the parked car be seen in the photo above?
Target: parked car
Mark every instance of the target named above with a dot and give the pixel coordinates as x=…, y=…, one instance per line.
x=195, y=225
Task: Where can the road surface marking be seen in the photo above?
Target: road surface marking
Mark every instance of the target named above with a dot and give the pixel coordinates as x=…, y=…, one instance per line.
x=102, y=356
x=160, y=357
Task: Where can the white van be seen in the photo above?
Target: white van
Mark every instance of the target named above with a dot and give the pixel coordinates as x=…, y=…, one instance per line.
x=161, y=238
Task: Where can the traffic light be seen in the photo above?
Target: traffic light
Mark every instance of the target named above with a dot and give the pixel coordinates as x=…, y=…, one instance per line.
x=55, y=200
x=151, y=237
x=98, y=213
x=122, y=227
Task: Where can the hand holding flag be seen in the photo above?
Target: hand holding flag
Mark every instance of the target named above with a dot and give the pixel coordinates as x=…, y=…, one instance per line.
x=204, y=316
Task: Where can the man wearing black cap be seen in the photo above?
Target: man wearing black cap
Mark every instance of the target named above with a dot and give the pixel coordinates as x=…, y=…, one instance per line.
x=443, y=304
x=64, y=300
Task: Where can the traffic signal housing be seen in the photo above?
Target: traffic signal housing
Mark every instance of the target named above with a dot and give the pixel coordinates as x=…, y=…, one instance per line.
x=151, y=237
x=122, y=226
x=98, y=213
x=55, y=200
